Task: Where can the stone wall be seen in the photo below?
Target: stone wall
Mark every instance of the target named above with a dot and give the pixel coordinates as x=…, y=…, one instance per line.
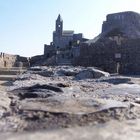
x=38, y=60
x=117, y=48
x=8, y=61
x=112, y=57
x=49, y=50
x=127, y=22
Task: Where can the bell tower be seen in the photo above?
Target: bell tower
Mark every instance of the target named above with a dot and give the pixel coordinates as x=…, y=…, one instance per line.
x=59, y=26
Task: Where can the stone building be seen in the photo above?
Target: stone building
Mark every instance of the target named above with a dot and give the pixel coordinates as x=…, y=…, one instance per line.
x=117, y=49
x=9, y=61
x=65, y=44
x=112, y=57
x=49, y=50
x=63, y=38
x=126, y=22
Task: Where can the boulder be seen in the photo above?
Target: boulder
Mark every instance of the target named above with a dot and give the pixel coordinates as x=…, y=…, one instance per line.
x=90, y=73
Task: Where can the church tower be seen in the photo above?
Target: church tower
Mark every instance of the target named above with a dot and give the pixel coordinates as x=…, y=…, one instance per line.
x=59, y=26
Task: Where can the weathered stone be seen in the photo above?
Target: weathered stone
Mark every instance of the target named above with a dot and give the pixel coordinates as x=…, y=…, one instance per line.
x=9, y=61
x=108, y=131
x=4, y=104
x=91, y=73
x=67, y=72
x=81, y=102
x=37, y=91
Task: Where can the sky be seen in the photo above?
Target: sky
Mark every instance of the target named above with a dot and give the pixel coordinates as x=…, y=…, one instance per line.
x=26, y=25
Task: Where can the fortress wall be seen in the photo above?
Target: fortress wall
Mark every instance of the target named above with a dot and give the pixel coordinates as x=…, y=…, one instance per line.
x=109, y=55
x=128, y=22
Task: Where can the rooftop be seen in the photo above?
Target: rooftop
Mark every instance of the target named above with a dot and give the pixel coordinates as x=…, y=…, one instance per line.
x=68, y=33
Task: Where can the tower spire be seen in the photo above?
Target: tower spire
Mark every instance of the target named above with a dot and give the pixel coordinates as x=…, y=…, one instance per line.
x=59, y=18
x=59, y=25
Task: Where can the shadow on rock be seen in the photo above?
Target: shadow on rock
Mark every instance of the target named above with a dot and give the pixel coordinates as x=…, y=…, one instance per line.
x=9, y=83
x=117, y=81
x=37, y=91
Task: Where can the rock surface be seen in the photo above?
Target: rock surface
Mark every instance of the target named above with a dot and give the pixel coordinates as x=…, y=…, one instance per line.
x=57, y=99
x=91, y=73
x=107, y=131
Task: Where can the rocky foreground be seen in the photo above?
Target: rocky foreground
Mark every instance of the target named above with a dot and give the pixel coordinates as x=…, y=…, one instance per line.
x=70, y=103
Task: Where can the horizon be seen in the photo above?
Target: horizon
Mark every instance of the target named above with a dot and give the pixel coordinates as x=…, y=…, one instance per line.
x=27, y=26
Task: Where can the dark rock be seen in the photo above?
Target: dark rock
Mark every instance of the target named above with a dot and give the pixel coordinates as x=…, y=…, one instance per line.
x=63, y=85
x=37, y=91
x=35, y=69
x=48, y=87
x=67, y=72
x=116, y=81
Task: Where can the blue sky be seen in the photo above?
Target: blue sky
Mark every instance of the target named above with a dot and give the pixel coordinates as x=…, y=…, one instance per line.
x=26, y=25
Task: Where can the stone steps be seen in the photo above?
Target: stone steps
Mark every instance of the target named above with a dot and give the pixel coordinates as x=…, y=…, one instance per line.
x=7, y=77
x=11, y=72
x=8, y=74
x=13, y=68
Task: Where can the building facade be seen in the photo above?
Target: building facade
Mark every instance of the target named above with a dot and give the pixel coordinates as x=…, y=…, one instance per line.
x=63, y=38
x=117, y=49
x=65, y=44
